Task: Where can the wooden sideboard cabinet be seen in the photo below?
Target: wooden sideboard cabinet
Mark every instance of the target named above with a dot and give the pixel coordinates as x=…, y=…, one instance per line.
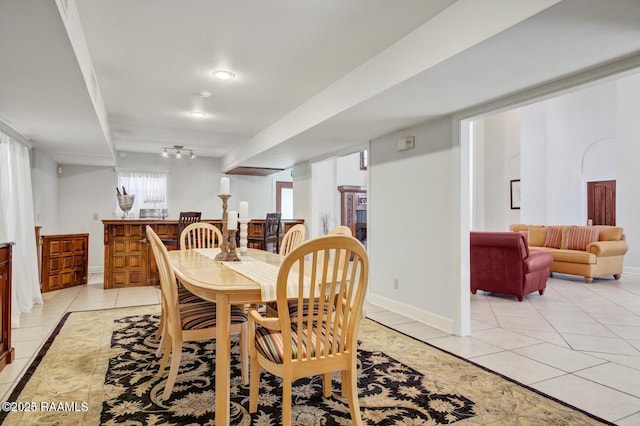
x=255, y=229
x=353, y=212
x=7, y=352
x=128, y=259
x=65, y=261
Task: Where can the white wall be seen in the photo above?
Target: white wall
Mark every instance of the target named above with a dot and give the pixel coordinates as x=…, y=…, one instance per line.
x=86, y=194
x=554, y=147
x=413, y=235
x=499, y=162
x=533, y=165
x=327, y=176
x=302, y=187
x=325, y=197
x=44, y=180
x=628, y=202
x=85, y=197
x=574, y=122
x=348, y=171
x=587, y=135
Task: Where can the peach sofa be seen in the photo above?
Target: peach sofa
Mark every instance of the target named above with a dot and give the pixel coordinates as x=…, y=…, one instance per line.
x=589, y=251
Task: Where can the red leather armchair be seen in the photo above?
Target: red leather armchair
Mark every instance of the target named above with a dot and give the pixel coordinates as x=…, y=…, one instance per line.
x=501, y=263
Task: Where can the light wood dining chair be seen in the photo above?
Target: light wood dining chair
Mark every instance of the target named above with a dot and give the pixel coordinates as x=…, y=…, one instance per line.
x=200, y=235
x=206, y=235
x=195, y=235
x=313, y=341
x=292, y=239
x=341, y=230
x=184, y=322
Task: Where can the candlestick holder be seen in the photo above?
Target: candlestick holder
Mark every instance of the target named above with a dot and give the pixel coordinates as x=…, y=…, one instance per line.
x=243, y=235
x=224, y=244
x=232, y=256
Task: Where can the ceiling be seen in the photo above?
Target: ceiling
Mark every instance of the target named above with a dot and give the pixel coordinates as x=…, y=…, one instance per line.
x=85, y=79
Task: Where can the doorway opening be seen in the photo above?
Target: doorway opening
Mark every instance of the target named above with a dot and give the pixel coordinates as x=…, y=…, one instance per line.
x=284, y=199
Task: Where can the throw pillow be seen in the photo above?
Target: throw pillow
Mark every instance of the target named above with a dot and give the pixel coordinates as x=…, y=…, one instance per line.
x=609, y=233
x=579, y=238
x=537, y=235
x=554, y=237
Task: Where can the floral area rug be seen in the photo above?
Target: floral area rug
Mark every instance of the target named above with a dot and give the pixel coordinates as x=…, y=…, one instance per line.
x=391, y=393
x=100, y=368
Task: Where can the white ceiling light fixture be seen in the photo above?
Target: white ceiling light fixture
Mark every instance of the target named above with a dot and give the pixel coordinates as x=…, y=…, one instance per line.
x=199, y=113
x=223, y=74
x=178, y=149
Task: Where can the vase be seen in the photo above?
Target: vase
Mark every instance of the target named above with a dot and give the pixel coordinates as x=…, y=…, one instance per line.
x=125, y=202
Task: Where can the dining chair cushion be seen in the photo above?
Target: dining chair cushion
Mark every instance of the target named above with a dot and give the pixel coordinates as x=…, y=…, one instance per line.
x=270, y=343
x=185, y=296
x=203, y=315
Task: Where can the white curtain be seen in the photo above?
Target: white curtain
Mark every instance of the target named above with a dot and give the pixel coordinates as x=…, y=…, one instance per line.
x=150, y=189
x=17, y=225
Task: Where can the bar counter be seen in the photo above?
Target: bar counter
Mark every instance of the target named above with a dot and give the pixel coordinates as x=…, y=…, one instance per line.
x=128, y=259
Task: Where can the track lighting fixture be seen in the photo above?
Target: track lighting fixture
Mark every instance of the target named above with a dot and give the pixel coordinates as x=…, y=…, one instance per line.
x=178, y=149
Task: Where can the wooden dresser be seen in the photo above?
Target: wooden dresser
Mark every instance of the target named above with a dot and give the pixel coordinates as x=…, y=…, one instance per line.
x=7, y=352
x=128, y=259
x=65, y=261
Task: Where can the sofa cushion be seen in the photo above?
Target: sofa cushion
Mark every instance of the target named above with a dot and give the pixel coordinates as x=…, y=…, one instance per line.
x=554, y=237
x=537, y=235
x=515, y=227
x=569, y=256
x=579, y=237
x=609, y=233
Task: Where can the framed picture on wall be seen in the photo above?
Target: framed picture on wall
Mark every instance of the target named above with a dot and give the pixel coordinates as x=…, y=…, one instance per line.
x=515, y=194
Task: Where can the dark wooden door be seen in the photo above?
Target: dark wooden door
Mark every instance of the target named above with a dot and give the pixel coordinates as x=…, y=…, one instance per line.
x=601, y=202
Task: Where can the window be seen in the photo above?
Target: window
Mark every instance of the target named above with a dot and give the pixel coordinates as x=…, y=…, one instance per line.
x=149, y=188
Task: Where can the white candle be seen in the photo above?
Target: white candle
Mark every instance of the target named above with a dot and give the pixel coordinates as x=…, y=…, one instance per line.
x=244, y=210
x=225, y=186
x=232, y=220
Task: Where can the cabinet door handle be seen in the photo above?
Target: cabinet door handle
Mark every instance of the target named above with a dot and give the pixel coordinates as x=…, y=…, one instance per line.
x=143, y=241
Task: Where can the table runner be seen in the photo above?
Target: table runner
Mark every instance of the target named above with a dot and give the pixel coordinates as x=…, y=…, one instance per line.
x=208, y=252
x=262, y=273
x=266, y=276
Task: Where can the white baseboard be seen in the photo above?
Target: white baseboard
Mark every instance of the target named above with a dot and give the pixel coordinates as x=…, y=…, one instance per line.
x=631, y=270
x=428, y=318
x=95, y=270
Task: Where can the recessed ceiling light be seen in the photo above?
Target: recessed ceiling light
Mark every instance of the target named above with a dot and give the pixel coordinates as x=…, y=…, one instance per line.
x=223, y=74
x=197, y=114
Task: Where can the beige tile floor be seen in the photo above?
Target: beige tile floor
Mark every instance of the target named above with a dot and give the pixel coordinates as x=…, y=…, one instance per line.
x=36, y=325
x=579, y=343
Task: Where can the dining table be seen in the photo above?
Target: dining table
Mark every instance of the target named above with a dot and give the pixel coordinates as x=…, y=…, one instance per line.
x=223, y=284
